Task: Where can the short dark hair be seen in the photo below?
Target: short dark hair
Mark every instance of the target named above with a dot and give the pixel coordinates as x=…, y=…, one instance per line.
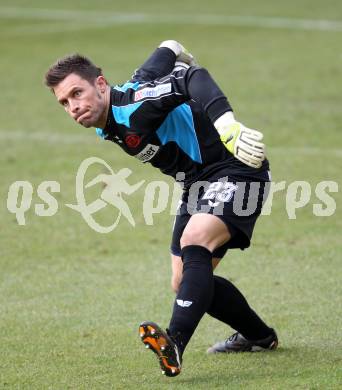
x=74, y=63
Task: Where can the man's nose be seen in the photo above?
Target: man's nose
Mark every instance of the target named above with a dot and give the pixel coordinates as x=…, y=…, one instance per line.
x=74, y=107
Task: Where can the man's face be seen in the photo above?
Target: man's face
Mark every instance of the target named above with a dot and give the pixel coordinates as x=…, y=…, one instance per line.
x=85, y=102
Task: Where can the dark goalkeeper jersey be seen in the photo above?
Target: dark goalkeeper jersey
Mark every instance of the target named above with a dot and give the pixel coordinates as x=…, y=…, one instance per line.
x=168, y=121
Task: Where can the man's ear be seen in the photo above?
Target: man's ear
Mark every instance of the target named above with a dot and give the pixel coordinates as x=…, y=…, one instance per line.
x=101, y=83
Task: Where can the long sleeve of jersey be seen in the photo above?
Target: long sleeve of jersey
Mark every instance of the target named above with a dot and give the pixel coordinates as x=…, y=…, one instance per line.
x=202, y=88
x=160, y=63
x=194, y=83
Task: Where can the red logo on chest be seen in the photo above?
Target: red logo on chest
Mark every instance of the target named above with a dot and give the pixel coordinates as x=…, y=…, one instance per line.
x=132, y=140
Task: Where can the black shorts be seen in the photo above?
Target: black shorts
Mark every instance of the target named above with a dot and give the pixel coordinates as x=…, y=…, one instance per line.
x=236, y=200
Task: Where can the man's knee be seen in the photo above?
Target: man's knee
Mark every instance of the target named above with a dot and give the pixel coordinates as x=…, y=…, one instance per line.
x=194, y=236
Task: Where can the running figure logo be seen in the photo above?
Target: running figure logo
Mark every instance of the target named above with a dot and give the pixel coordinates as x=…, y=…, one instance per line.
x=115, y=185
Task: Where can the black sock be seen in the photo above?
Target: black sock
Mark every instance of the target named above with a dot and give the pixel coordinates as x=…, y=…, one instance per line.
x=195, y=293
x=230, y=306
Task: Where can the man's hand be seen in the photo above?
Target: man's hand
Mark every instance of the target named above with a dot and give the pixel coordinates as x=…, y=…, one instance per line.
x=181, y=52
x=242, y=142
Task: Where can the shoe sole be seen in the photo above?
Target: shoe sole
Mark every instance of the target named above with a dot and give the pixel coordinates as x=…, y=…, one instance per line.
x=157, y=340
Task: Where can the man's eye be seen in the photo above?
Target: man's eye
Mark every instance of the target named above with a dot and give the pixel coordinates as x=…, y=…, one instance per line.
x=65, y=103
x=77, y=93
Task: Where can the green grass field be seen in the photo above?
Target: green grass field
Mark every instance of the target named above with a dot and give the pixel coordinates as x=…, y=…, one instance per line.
x=71, y=299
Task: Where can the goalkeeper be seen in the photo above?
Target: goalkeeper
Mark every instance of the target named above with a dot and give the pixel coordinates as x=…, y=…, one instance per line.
x=178, y=119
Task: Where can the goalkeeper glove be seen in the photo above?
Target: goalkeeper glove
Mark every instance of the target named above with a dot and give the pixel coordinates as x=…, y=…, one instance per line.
x=242, y=142
x=181, y=53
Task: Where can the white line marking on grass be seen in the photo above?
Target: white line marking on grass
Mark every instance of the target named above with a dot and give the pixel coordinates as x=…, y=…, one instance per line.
x=49, y=27
x=104, y=19
x=68, y=139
